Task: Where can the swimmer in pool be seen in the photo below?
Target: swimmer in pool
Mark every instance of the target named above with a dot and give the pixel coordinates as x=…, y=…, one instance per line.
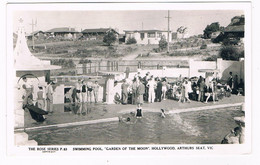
x=139, y=111
x=163, y=113
x=127, y=120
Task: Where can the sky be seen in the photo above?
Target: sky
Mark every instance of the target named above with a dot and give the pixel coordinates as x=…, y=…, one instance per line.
x=194, y=20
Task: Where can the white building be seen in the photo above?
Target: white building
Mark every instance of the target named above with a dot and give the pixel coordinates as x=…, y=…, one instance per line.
x=147, y=36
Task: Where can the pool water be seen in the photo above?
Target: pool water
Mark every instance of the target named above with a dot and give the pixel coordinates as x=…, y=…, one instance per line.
x=200, y=127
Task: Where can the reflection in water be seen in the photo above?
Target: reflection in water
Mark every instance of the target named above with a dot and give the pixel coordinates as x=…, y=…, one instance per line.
x=186, y=126
x=202, y=127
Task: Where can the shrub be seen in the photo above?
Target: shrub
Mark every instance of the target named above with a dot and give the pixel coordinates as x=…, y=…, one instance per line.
x=163, y=43
x=211, y=58
x=156, y=50
x=204, y=46
x=109, y=38
x=131, y=40
x=230, y=53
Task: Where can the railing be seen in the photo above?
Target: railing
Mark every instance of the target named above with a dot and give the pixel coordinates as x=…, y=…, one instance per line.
x=64, y=79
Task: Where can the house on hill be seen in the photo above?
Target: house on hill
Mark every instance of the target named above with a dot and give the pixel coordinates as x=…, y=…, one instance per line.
x=37, y=34
x=236, y=28
x=234, y=31
x=64, y=32
x=97, y=34
x=147, y=36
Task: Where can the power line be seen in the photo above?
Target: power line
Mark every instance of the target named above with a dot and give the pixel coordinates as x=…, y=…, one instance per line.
x=168, y=33
x=33, y=24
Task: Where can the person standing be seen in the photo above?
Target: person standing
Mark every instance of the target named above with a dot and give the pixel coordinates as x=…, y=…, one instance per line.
x=201, y=90
x=78, y=92
x=28, y=90
x=230, y=80
x=96, y=91
x=40, y=98
x=210, y=92
x=49, y=96
x=145, y=81
x=124, y=87
x=187, y=90
x=84, y=91
x=235, y=86
x=164, y=88
x=140, y=92
x=159, y=90
x=134, y=89
x=90, y=91
x=151, y=87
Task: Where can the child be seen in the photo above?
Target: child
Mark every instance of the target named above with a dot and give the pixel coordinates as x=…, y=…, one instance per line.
x=139, y=111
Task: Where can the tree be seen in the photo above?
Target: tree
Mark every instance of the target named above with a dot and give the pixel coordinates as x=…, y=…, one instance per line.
x=182, y=30
x=163, y=43
x=109, y=38
x=210, y=29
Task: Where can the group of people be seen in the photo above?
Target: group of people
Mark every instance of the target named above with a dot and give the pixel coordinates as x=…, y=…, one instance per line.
x=83, y=92
x=151, y=89
x=148, y=88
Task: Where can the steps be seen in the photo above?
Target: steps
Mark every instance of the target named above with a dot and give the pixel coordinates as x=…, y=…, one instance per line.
x=21, y=139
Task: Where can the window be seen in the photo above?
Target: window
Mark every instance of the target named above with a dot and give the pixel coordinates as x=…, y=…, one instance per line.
x=159, y=35
x=151, y=35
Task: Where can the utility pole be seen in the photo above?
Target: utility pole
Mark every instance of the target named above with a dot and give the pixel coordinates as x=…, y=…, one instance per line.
x=33, y=24
x=142, y=26
x=168, y=34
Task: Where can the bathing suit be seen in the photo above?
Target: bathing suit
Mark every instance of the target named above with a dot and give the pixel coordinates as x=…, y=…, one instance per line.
x=84, y=89
x=139, y=113
x=90, y=89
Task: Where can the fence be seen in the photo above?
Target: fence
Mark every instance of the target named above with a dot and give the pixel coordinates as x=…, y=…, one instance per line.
x=130, y=65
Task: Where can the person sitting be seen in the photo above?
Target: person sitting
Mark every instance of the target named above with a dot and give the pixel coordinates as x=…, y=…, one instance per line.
x=117, y=98
x=232, y=137
x=228, y=90
x=36, y=113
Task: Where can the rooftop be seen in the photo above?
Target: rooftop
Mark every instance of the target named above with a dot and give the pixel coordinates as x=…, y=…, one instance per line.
x=62, y=29
x=237, y=28
x=100, y=30
x=140, y=31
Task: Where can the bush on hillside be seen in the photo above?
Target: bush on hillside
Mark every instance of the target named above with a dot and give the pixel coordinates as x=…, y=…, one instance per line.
x=204, y=46
x=131, y=40
x=109, y=38
x=163, y=43
x=230, y=53
x=211, y=58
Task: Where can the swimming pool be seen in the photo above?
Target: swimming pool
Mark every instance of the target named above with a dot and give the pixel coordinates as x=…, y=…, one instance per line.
x=198, y=127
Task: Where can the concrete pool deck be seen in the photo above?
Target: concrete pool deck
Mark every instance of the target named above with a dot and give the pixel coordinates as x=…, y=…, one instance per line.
x=98, y=113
